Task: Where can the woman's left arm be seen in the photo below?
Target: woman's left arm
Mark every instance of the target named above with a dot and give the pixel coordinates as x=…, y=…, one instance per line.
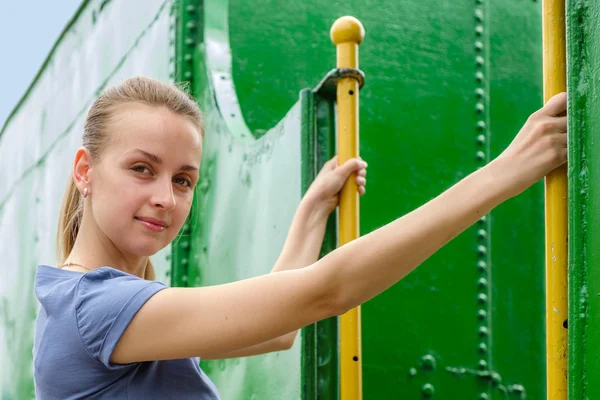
x=305, y=237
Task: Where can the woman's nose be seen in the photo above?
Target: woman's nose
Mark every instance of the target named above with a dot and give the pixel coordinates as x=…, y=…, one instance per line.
x=163, y=195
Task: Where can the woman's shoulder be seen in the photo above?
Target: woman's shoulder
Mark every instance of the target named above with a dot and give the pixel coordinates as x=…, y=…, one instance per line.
x=47, y=274
x=102, y=302
x=51, y=282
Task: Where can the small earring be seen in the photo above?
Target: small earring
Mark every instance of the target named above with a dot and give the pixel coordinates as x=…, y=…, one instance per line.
x=85, y=192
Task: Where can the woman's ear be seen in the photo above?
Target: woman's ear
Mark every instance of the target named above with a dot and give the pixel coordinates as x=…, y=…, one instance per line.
x=82, y=170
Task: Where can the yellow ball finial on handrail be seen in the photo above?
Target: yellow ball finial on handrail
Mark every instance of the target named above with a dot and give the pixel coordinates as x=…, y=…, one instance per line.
x=347, y=29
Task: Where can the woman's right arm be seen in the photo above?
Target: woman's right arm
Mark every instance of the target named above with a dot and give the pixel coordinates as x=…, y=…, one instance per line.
x=187, y=322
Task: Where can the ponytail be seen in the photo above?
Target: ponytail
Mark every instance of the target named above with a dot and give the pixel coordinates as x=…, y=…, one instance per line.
x=69, y=221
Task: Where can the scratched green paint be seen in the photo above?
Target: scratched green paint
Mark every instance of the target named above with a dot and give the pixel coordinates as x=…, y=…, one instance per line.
x=583, y=35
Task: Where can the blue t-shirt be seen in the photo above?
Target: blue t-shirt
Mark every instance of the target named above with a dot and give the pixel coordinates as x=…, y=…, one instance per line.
x=81, y=319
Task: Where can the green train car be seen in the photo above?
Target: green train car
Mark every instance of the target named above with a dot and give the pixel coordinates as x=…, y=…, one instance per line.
x=448, y=85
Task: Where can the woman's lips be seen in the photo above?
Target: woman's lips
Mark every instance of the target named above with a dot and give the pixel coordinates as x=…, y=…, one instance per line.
x=154, y=227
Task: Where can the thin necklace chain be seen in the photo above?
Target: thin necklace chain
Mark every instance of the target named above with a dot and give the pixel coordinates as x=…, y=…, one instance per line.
x=71, y=264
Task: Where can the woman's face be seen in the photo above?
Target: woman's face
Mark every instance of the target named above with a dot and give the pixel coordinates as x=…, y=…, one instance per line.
x=143, y=185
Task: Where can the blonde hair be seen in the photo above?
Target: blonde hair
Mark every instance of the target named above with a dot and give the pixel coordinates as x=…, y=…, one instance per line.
x=96, y=135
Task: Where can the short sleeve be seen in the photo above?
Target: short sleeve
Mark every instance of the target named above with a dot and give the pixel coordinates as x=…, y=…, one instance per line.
x=108, y=299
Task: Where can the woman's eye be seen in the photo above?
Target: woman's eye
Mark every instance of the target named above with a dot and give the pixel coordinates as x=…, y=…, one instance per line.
x=139, y=168
x=183, y=181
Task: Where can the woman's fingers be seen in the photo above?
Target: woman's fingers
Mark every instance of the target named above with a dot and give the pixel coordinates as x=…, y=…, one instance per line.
x=556, y=105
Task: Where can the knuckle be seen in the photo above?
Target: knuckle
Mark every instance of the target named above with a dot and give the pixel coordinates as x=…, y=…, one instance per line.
x=545, y=124
x=554, y=155
x=535, y=116
x=549, y=142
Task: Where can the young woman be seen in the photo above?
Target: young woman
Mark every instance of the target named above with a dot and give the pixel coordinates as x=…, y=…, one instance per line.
x=107, y=330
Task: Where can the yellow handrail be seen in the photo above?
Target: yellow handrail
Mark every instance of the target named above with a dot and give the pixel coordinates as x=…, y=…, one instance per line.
x=347, y=33
x=554, y=56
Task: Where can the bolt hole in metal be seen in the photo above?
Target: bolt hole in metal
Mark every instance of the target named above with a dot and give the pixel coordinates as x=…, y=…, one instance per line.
x=355, y=358
x=351, y=92
x=566, y=323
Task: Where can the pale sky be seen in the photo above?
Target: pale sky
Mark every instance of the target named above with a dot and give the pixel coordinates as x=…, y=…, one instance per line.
x=28, y=30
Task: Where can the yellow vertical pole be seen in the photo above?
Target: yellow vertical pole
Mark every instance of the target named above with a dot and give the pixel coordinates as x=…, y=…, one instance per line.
x=347, y=33
x=554, y=58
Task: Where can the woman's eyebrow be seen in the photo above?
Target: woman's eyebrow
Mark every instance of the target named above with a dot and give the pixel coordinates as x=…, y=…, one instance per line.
x=157, y=160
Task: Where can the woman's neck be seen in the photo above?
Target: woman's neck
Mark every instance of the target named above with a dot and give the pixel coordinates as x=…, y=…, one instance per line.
x=93, y=249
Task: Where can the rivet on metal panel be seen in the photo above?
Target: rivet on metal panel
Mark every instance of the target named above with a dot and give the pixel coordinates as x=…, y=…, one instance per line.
x=480, y=107
x=480, y=155
x=482, y=283
x=428, y=390
x=481, y=266
x=481, y=298
x=481, y=315
x=482, y=365
x=483, y=331
x=479, y=30
x=479, y=92
x=481, y=140
x=517, y=389
x=481, y=125
x=483, y=396
x=496, y=378
x=481, y=234
x=482, y=348
x=412, y=371
x=479, y=14
x=481, y=250
x=479, y=76
x=428, y=362
x=478, y=45
x=190, y=8
x=479, y=61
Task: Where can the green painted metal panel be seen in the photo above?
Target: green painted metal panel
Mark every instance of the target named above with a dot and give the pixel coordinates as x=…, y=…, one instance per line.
x=583, y=58
x=516, y=238
x=245, y=203
x=448, y=86
x=104, y=43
